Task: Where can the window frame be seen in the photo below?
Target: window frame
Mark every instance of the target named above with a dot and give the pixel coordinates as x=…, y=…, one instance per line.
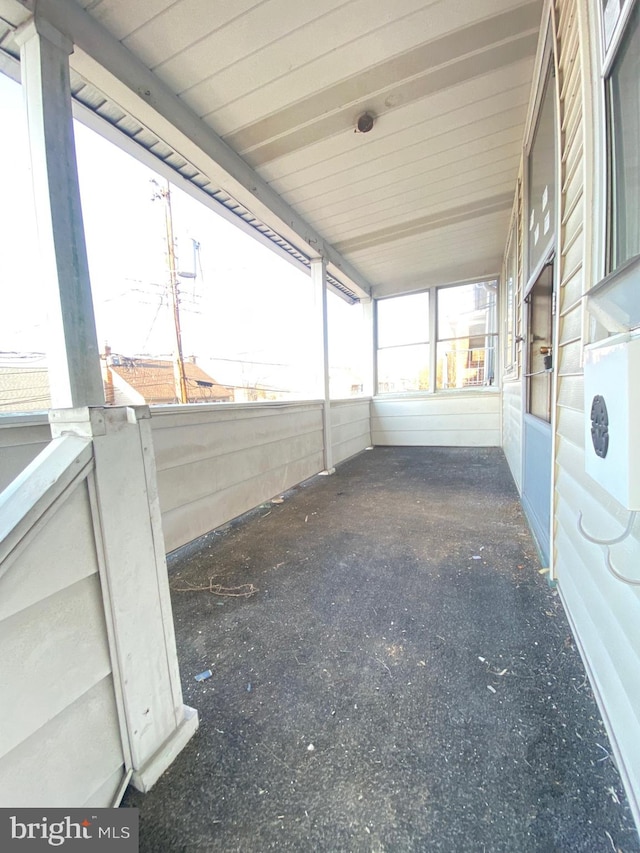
x=432, y=340
x=610, y=53
x=405, y=345
x=495, y=335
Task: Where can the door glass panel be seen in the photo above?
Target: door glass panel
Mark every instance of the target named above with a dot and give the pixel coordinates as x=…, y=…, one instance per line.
x=541, y=195
x=540, y=345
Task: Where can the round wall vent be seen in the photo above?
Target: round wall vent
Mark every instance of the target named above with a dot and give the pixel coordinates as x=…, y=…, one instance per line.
x=364, y=123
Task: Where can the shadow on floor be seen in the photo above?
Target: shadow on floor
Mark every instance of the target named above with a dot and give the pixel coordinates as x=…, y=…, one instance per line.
x=402, y=679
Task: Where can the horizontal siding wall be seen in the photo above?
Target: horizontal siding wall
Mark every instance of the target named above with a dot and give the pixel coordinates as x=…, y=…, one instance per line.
x=60, y=741
x=441, y=420
x=604, y=611
x=350, y=428
x=215, y=462
x=512, y=428
x=22, y=437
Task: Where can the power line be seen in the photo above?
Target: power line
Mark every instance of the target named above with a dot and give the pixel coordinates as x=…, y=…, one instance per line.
x=153, y=323
x=246, y=361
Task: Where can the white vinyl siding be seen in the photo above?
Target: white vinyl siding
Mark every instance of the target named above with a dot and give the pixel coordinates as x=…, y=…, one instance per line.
x=60, y=741
x=22, y=437
x=350, y=428
x=213, y=464
x=604, y=612
x=512, y=428
x=442, y=420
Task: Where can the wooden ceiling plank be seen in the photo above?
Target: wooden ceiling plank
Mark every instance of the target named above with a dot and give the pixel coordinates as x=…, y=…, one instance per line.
x=415, y=90
x=181, y=25
x=422, y=200
x=477, y=153
x=261, y=25
x=431, y=222
x=484, y=127
x=338, y=61
x=413, y=124
x=284, y=71
x=122, y=17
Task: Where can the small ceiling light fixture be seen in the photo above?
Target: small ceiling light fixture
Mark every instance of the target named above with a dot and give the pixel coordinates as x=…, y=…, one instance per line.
x=364, y=123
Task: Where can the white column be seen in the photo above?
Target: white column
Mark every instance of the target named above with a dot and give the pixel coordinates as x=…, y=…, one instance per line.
x=433, y=338
x=73, y=355
x=371, y=376
x=319, y=284
x=133, y=574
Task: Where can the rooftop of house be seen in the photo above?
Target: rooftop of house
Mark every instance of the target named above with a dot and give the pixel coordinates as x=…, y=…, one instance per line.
x=137, y=380
x=153, y=379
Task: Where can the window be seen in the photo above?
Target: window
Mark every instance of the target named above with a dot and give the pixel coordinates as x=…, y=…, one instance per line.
x=349, y=348
x=403, y=343
x=467, y=335
x=464, y=321
x=622, y=42
x=540, y=345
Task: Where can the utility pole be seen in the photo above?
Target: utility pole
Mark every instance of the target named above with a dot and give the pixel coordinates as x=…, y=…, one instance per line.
x=180, y=378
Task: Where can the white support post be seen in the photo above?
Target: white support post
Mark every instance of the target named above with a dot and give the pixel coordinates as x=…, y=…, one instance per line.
x=371, y=377
x=133, y=573
x=73, y=356
x=433, y=338
x=319, y=284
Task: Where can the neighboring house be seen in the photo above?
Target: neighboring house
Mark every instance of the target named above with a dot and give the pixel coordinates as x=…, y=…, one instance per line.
x=127, y=381
x=152, y=381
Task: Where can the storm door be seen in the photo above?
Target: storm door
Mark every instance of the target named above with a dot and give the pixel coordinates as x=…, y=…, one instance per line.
x=539, y=314
x=539, y=304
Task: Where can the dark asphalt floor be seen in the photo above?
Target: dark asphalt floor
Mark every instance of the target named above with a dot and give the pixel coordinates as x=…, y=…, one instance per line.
x=402, y=677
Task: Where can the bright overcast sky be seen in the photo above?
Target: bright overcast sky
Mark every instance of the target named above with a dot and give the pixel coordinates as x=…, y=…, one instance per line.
x=246, y=303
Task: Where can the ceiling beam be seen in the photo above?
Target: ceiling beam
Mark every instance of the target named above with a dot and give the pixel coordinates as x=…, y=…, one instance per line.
x=101, y=60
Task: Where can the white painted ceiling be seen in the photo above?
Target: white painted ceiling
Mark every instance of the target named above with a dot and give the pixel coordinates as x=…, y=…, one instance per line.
x=423, y=198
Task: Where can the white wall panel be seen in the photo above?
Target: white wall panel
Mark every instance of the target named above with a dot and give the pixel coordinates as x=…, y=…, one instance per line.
x=52, y=653
x=512, y=428
x=350, y=428
x=60, y=738
x=63, y=554
x=215, y=463
x=59, y=764
x=22, y=437
x=444, y=420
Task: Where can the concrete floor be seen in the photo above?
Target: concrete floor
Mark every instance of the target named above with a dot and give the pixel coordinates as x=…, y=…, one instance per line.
x=401, y=679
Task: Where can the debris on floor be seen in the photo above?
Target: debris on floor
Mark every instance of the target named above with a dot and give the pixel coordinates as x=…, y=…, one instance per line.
x=244, y=590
